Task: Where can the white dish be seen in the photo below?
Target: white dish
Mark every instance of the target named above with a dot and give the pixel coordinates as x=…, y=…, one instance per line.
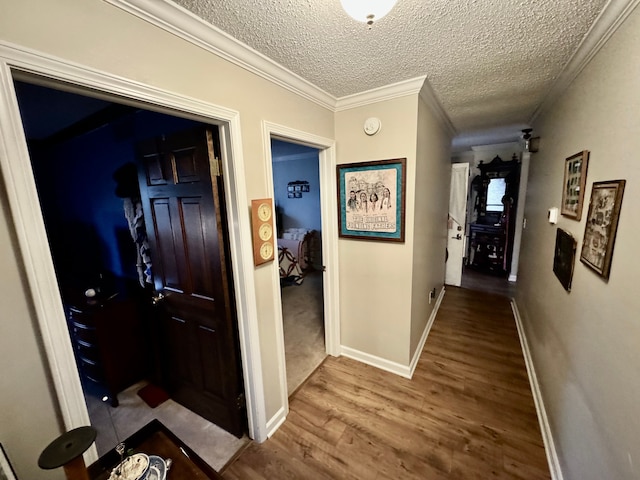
x=133, y=467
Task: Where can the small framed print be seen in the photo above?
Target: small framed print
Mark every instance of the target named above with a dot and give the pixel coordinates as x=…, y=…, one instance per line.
x=297, y=194
x=564, y=258
x=602, y=225
x=305, y=187
x=575, y=180
x=290, y=195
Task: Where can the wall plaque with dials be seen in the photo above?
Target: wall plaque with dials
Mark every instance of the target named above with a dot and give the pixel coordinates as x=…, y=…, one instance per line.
x=263, y=232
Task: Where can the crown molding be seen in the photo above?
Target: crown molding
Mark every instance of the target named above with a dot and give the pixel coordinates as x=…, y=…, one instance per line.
x=387, y=92
x=610, y=18
x=178, y=21
x=429, y=97
x=191, y=28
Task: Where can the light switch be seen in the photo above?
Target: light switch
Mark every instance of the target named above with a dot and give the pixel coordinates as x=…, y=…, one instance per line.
x=553, y=215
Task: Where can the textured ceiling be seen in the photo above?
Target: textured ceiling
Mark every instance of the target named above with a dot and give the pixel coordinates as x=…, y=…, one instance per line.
x=490, y=62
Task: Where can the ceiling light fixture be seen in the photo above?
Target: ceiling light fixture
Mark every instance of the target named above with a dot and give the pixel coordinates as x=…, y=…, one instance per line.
x=367, y=11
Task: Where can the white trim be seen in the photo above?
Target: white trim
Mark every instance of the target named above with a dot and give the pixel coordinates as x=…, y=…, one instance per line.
x=545, y=427
x=512, y=278
x=378, y=362
x=387, y=92
x=187, y=26
x=610, y=18
x=22, y=194
x=431, y=99
x=36, y=257
x=425, y=334
x=276, y=421
x=327, y=167
x=394, y=367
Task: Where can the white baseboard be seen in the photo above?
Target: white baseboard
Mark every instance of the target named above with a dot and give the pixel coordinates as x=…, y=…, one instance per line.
x=513, y=278
x=547, y=437
x=274, y=422
x=378, y=362
x=394, y=367
x=425, y=334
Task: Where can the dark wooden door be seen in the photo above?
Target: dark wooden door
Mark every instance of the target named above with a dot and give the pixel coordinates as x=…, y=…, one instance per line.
x=183, y=201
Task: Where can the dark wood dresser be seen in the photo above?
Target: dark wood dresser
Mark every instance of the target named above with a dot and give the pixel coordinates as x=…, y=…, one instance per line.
x=108, y=336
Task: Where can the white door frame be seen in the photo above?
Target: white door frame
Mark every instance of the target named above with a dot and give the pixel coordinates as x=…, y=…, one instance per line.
x=329, y=222
x=32, y=239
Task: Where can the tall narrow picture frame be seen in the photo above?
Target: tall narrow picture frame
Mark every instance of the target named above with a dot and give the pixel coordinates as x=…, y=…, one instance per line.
x=564, y=257
x=371, y=200
x=575, y=180
x=602, y=225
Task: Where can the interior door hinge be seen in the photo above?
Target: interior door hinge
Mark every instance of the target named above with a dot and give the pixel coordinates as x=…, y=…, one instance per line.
x=216, y=167
x=214, y=162
x=241, y=402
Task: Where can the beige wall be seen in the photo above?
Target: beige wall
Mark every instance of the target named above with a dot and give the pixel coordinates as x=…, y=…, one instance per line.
x=375, y=277
x=28, y=415
x=95, y=34
x=585, y=344
x=432, y=179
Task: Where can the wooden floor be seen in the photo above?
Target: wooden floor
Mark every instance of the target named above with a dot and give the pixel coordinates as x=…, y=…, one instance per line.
x=468, y=412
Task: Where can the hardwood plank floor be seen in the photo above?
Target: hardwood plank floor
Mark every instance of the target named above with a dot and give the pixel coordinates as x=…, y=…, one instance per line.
x=468, y=412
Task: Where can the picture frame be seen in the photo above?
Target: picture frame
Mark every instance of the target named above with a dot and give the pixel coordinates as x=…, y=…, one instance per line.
x=6, y=470
x=371, y=200
x=575, y=180
x=602, y=226
x=297, y=194
x=564, y=257
x=290, y=195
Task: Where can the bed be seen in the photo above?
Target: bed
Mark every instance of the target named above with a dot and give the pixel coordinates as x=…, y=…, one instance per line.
x=293, y=255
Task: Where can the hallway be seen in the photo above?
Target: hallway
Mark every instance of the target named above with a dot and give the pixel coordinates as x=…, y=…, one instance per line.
x=468, y=412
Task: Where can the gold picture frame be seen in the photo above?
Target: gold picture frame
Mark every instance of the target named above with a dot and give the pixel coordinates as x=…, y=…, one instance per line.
x=575, y=180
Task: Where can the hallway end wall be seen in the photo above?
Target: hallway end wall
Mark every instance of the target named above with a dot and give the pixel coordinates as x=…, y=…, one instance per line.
x=584, y=344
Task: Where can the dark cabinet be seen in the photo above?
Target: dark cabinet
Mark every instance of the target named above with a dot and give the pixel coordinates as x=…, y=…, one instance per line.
x=491, y=235
x=108, y=337
x=487, y=248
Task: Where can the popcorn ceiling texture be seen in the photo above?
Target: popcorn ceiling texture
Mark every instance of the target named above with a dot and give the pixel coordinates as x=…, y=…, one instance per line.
x=490, y=62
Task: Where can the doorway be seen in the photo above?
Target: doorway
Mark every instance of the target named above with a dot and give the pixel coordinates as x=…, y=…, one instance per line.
x=92, y=249
x=296, y=181
x=492, y=211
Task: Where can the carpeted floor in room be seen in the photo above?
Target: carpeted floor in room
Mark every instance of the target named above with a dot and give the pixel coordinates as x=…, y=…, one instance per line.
x=303, y=316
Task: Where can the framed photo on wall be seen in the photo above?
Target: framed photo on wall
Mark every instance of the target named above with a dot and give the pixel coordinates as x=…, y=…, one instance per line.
x=564, y=257
x=371, y=200
x=602, y=225
x=575, y=180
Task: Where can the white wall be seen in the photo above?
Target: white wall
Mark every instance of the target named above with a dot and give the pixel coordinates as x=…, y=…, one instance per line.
x=585, y=344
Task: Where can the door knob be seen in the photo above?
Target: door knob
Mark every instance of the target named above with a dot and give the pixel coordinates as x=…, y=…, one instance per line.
x=156, y=299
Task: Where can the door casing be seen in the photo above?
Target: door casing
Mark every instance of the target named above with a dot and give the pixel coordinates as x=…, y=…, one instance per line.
x=36, y=67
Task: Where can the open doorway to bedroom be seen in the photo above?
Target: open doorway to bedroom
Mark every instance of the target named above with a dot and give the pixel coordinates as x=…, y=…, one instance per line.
x=78, y=146
x=296, y=181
